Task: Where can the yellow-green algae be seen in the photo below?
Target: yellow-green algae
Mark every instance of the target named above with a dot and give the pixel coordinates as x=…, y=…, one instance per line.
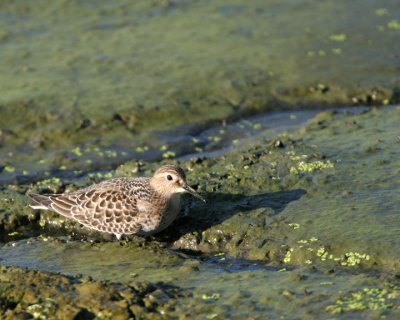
x=367, y=299
x=303, y=166
x=9, y=168
x=310, y=251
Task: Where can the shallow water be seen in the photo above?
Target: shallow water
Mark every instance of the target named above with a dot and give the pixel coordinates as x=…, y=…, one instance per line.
x=116, y=262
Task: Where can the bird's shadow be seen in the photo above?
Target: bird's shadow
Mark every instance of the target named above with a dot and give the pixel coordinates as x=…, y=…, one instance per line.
x=197, y=216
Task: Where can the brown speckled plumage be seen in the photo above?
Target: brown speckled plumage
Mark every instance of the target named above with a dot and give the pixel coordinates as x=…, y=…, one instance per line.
x=123, y=205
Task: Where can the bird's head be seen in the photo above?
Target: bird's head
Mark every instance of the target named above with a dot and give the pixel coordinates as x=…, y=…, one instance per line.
x=170, y=179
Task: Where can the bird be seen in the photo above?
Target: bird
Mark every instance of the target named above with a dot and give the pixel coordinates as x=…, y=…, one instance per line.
x=142, y=206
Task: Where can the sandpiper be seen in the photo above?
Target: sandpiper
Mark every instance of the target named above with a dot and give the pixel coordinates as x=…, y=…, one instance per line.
x=142, y=206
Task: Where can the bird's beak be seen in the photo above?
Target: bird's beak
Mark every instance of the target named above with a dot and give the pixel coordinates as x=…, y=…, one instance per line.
x=193, y=192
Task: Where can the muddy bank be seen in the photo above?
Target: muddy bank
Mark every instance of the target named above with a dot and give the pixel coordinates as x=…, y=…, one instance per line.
x=29, y=294
x=324, y=194
x=317, y=209
x=81, y=74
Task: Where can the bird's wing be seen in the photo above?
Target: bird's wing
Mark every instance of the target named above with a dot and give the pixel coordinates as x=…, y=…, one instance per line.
x=110, y=211
x=110, y=206
x=105, y=210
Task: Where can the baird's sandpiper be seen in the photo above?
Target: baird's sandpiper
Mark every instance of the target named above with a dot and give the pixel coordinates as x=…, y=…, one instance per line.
x=120, y=206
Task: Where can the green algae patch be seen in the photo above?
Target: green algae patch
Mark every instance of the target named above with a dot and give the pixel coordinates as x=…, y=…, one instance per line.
x=303, y=167
x=373, y=299
x=310, y=251
x=393, y=24
x=340, y=37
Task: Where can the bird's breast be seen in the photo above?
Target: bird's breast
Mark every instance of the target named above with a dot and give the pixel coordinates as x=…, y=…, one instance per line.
x=158, y=215
x=172, y=209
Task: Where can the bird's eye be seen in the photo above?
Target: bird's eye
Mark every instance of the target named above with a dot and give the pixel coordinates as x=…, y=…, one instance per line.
x=169, y=177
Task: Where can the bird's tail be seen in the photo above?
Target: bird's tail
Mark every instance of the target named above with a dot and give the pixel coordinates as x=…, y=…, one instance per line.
x=41, y=201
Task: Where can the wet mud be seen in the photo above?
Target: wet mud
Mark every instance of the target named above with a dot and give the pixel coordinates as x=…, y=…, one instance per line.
x=306, y=220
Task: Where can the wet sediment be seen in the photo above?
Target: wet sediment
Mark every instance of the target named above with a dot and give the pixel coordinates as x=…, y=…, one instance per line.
x=319, y=204
x=31, y=294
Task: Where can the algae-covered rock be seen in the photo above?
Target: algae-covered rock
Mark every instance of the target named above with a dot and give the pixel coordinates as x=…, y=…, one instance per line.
x=27, y=294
